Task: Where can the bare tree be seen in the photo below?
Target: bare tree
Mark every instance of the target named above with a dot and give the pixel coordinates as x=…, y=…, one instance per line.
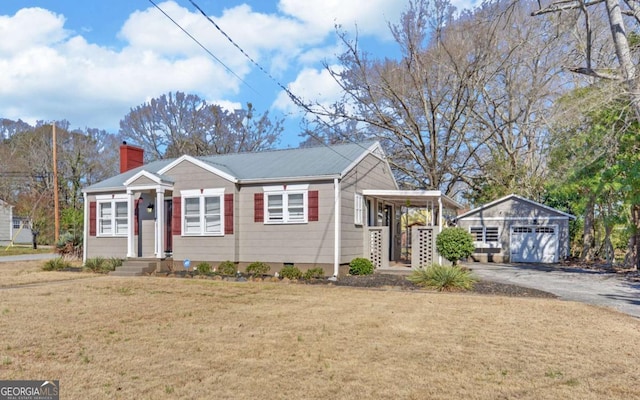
x=176, y=124
x=418, y=106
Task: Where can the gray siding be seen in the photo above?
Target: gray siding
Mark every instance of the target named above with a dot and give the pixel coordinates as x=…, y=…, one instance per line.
x=370, y=173
x=142, y=181
x=105, y=246
x=515, y=212
x=209, y=248
x=309, y=243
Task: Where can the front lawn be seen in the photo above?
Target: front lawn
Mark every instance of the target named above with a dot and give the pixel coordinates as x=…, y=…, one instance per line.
x=149, y=337
x=20, y=250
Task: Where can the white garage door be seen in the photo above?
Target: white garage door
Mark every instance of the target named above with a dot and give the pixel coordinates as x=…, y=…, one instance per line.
x=535, y=244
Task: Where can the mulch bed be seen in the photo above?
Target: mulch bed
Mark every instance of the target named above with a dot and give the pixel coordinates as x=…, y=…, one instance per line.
x=480, y=287
x=381, y=280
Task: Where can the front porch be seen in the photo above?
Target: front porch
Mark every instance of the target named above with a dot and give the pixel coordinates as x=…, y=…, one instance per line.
x=403, y=225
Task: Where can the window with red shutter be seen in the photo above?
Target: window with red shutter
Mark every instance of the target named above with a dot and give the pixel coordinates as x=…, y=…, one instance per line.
x=258, y=207
x=92, y=218
x=228, y=214
x=313, y=205
x=176, y=221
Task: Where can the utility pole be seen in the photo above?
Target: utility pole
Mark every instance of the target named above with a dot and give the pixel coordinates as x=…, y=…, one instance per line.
x=56, y=210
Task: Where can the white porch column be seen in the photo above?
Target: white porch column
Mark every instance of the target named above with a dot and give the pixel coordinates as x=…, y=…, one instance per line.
x=336, y=234
x=159, y=222
x=85, y=230
x=131, y=202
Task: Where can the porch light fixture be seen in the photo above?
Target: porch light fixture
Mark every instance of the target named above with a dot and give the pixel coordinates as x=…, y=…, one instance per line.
x=150, y=208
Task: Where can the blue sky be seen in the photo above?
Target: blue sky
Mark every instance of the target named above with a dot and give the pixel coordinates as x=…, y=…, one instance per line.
x=90, y=62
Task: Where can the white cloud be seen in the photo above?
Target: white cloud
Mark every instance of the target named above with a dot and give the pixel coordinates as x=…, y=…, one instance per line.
x=311, y=86
x=51, y=72
x=30, y=27
x=370, y=16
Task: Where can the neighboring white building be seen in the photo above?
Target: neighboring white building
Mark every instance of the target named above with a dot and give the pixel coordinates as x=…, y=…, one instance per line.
x=12, y=227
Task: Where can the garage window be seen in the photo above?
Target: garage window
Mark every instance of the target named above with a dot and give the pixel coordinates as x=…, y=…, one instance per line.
x=485, y=234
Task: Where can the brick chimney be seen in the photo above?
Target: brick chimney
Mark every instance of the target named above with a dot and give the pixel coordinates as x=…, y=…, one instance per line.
x=130, y=157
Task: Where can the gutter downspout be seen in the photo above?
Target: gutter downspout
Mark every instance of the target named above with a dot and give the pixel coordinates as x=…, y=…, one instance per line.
x=85, y=229
x=336, y=233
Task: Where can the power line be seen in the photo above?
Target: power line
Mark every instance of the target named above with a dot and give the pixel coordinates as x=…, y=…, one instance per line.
x=202, y=46
x=291, y=95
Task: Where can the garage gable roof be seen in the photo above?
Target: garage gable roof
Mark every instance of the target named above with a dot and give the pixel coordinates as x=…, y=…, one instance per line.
x=514, y=197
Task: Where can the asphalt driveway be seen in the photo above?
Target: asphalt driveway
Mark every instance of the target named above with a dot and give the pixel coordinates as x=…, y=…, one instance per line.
x=591, y=287
x=28, y=257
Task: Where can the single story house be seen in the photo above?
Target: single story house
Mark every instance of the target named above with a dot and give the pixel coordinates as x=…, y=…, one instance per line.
x=516, y=229
x=13, y=229
x=312, y=207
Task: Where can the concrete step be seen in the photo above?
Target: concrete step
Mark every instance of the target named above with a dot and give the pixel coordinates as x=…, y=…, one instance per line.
x=135, y=268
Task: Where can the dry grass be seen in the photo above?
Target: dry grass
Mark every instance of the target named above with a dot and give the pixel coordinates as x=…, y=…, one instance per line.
x=19, y=250
x=30, y=272
x=143, y=338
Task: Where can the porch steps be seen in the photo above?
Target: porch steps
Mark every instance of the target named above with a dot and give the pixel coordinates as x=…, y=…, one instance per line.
x=135, y=268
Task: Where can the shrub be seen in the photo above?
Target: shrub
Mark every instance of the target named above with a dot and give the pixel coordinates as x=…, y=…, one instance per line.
x=113, y=263
x=454, y=244
x=360, y=266
x=258, y=268
x=101, y=265
x=69, y=244
x=96, y=264
x=227, y=268
x=443, y=278
x=203, y=268
x=56, y=264
x=314, y=273
x=290, y=272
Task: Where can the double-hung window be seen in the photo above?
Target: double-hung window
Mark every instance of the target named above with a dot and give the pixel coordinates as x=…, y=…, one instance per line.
x=203, y=212
x=286, y=205
x=358, y=209
x=113, y=215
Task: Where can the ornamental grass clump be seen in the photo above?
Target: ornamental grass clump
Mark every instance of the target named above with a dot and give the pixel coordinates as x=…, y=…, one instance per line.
x=443, y=278
x=56, y=264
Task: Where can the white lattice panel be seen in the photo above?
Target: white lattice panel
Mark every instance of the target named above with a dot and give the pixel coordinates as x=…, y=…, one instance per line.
x=376, y=247
x=423, y=247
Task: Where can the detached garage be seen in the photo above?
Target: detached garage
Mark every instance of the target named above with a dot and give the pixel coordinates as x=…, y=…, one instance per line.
x=515, y=229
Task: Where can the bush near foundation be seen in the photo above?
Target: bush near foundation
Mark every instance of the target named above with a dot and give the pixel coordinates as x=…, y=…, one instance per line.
x=227, y=268
x=290, y=272
x=203, y=268
x=360, y=266
x=455, y=244
x=258, y=268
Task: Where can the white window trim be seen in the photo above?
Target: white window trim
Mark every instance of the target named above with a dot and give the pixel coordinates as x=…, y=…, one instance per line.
x=201, y=194
x=112, y=199
x=358, y=209
x=285, y=192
